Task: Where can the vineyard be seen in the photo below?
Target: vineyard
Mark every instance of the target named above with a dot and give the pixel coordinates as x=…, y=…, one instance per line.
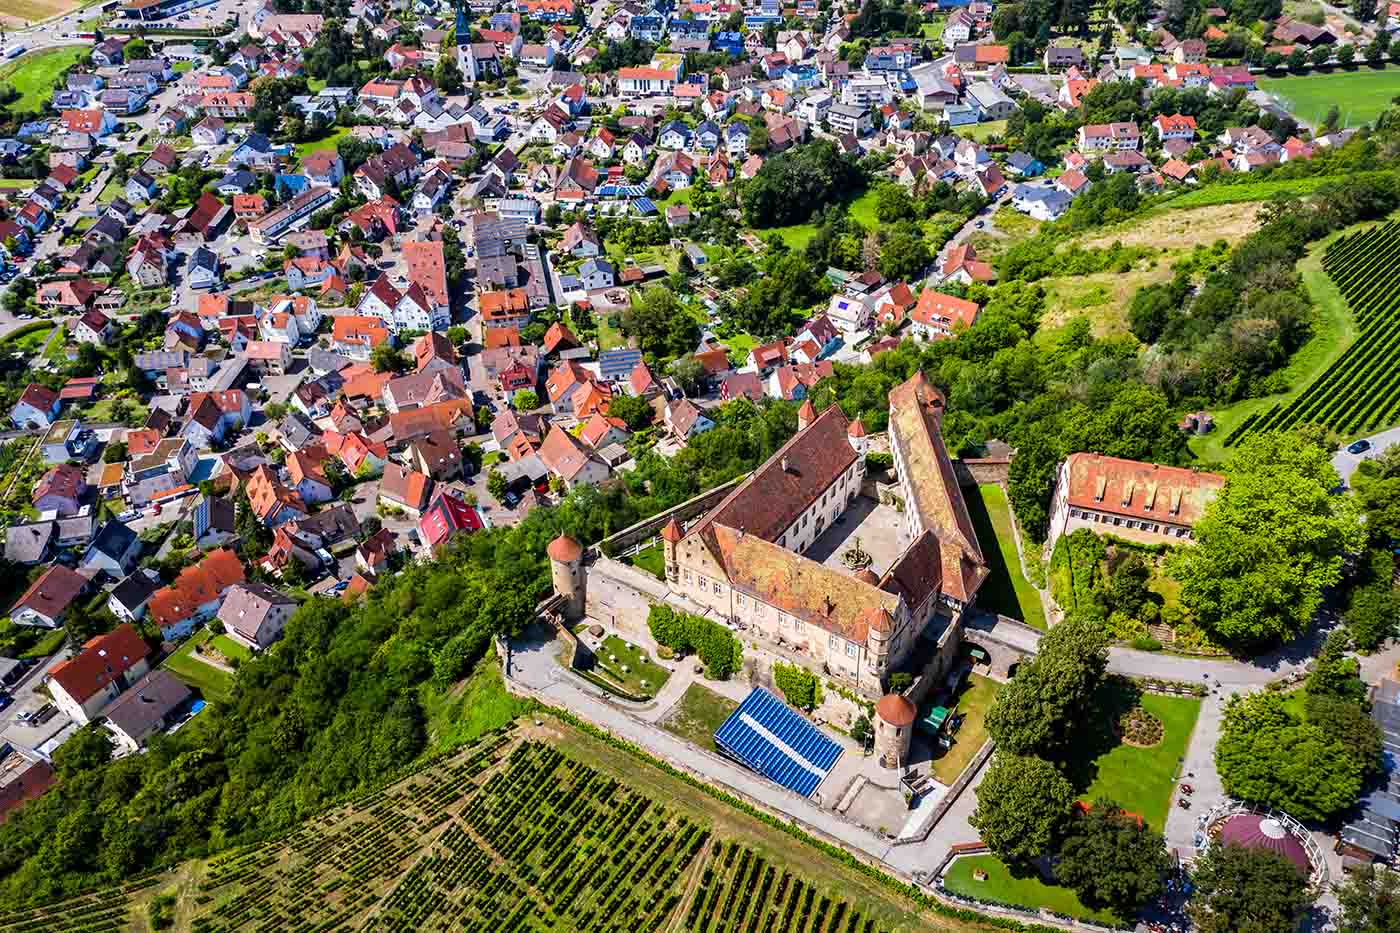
x=1360, y=391
x=106, y=911
x=511, y=835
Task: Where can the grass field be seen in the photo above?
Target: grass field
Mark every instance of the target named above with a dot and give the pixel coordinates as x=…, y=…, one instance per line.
x=982, y=131
x=328, y=141
x=1007, y=590
x=33, y=75
x=1142, y=780
x=1334, y=331
x=1024, y=892
x=229, y=648
x=470, y=709
x=1359, y=95
x=698, y=714
x=973, y=701
x=934, y=30
x=796, y=237
x=215, y=683
x=14, y=184
x=862, y=210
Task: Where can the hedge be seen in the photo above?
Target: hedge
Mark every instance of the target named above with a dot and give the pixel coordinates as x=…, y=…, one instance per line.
x=717, y=647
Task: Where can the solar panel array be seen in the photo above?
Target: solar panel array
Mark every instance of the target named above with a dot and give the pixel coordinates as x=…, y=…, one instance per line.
x=644, y=206
x=770, y=737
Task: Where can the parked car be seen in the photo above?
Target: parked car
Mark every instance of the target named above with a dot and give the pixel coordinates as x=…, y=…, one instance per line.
x=1360, y=447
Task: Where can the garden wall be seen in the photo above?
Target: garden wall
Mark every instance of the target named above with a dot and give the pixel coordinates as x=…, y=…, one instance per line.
x=975, y=471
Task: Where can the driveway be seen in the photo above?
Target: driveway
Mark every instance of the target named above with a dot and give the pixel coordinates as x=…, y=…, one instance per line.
x=1345, y=464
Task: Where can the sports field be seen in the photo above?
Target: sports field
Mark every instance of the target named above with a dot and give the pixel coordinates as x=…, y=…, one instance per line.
x=1359, y=95
x=33, y=75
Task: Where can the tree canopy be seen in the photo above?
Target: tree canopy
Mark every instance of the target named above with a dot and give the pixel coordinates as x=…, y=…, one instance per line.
x=1112, y=859
x=1269, y=544
x=1253, y=890
x=1023, y=804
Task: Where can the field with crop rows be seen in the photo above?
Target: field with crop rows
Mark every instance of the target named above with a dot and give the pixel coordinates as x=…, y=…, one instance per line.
x=106, y=911
x=1360, y=392
x=512, y=835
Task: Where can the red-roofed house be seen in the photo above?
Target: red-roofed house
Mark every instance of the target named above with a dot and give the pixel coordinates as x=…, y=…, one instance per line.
x=935, y=314
x=1141, y=502
x=196, y=593
x=95, y=676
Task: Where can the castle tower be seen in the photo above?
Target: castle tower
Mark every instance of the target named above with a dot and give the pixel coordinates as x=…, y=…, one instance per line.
x=860, y=443
x=806, y=415
x=566, y=570
x=894, y=729
x=671, y=537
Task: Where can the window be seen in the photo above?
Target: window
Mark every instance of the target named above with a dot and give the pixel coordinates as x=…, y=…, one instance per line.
x=717, y=590
x=832, y=643
x=739, y=598
x=850, y=649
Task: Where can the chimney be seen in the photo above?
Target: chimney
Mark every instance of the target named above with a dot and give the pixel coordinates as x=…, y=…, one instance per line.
x=785, y=464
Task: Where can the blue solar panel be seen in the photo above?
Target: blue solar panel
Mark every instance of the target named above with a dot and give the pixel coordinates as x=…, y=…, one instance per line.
x=799, y=763
x=644, y=206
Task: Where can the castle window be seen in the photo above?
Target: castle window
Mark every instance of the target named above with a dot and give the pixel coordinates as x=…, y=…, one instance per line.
x=717, y=589
x=850, y=649
x=740, y=599
x=832, y=643
x=687, y=576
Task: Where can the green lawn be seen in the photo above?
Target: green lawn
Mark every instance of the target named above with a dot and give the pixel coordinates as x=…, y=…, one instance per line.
x=973, y=701
x=315, y=85
x=14, y=184
x=796, y=237
x=110, y=192
x=862, y=210
x=28, y=342
x=1334, y=331
x=698, y=715
x=1006, y=591
x=230, y=649
x=1029, y=892
x=182, y=67
x=1359, y=95
x=1142, y=780
x=739, y=346
x=54, y=348
x=325, y=142
x=651, y=560
x=214, y=683
x=33, y=75
x=934, y=30
x=983, y=131
x=640, y=667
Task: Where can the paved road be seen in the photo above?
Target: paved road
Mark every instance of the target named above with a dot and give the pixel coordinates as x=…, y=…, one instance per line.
x=1346, y=464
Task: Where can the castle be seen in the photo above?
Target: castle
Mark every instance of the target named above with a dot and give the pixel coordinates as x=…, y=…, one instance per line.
x=743, y=560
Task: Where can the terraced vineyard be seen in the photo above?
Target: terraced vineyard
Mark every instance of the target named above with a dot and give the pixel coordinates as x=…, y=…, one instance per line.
x=107, y=911
x=1360, y=392
x=512, y=836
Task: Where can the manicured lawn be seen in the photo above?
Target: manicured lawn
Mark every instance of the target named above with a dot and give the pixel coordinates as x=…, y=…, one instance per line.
x=651, y=560
x=1141, y=780
x=640, y=667
x=214, y=683
x=315, y=85
x=934, y=30
x=1006, y=591
x=182, y=67
x=698, y=715
x=229, y=648
x=110, y=192
x=972, y=701
x=54, y=348
x=325, y=142
x=33, y=75
x=14, y=184
x=1334, y=331
x=1359, y=95
x=1001, y=887
x=30, y=342
x=609, y=337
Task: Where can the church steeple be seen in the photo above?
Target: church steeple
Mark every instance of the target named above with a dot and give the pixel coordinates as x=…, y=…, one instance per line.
x=464, y=26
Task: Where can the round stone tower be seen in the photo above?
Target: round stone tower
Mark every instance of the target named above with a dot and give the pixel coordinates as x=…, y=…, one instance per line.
x=859, y=442
x=894, y=729
x=566, y=570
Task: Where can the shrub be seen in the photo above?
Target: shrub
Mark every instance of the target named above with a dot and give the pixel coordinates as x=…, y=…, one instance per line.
x=798, y=685
x=715, y=645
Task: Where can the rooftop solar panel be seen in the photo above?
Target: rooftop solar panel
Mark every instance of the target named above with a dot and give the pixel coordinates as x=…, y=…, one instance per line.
x=772, y=739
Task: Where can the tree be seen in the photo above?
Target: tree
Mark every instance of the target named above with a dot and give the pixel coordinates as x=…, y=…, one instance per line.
x=1269, y=544
x=136, y=50
x=1112, y=859
x=447, y=75
x=661, y=325
x=1372, y=605
x=525, y=401
x=792, y=186
x=635, y=411
x=1266, y=755
x=496, y=484
x=904, y=254
x=1240, y=889
x=114, y=452
x=1364, y=10
x=1023, y=804
x=1370, y=900
x=690, y=373
x=387, y=359
x=1040, y=711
